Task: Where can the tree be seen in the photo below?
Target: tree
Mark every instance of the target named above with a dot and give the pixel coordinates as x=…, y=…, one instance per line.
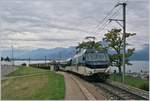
x=7, y=59
x=24, y=64
x=89, y=45
x=2, y=58
x=114, y=38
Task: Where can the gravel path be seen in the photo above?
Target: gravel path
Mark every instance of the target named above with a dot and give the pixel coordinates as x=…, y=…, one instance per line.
x=78, y=89
x=72, y=91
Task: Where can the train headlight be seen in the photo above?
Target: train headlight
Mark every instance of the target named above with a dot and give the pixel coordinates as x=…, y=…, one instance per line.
x=90, y=72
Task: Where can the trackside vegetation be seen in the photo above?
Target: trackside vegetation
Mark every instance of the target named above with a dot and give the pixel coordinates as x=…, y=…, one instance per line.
x=132, y=81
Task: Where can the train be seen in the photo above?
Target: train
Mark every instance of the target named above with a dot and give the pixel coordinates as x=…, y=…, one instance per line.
x=88, y=63
x=91, y=63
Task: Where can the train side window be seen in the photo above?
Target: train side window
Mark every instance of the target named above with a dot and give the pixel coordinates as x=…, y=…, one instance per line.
x=83, y=58
x=70, y=61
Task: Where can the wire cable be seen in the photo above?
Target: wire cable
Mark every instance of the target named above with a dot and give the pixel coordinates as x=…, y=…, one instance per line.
x=105, y=17
x=114, y=15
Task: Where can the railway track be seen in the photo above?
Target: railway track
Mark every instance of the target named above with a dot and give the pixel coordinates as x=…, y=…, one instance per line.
x=117, y=93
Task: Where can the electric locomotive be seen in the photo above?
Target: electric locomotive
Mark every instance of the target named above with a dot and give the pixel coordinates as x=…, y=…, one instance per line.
x=89, y=63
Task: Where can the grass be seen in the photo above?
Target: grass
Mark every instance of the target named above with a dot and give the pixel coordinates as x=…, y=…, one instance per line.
x=48, y=86
x=132, y=81
x=54, y=89
x=21, y=70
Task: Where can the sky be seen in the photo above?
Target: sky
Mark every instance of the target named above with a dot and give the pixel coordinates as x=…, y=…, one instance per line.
x=31, y=24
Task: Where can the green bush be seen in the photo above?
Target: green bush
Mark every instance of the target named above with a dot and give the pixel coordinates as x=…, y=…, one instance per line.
x=145, y=86
x=132, y=81
x=23, y=64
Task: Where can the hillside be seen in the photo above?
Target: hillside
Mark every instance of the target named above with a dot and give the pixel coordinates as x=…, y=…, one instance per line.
x=64, y=53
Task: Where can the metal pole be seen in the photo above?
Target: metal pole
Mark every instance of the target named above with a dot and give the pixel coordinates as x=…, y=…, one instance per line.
x=12, y=55
x=124, y=36
x=60, y=56
x=124, y=40
x=29, y=61
x=45, y=60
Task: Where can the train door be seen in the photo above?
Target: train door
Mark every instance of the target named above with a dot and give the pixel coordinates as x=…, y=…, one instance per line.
x=77, y=61
x=56, y=67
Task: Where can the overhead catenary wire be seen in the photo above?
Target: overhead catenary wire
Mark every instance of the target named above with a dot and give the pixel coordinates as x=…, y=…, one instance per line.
x=105, y=17
x=103, y=25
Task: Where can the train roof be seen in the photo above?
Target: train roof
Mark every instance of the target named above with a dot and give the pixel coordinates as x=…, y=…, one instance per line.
x=91, y=50
x=82, y=51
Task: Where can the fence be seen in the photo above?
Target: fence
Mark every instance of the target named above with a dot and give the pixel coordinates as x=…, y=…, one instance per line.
x=6, y=68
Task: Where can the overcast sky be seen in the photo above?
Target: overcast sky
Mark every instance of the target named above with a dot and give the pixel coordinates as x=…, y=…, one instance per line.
x=30, y=24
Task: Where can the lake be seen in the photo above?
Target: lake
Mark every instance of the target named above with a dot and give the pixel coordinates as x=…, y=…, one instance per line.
x=136, y=66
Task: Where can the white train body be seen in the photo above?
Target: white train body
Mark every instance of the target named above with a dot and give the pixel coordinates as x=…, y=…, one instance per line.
x=89, y=62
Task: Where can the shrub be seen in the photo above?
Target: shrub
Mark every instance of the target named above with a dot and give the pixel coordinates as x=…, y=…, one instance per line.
x=145, y=86
x=24, y=64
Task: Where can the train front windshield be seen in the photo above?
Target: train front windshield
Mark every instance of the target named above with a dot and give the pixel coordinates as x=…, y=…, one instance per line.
x=97, y=57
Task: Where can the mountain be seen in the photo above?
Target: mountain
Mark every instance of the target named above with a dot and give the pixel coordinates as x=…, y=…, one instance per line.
x=141, y=54
x=64, y=53
x=16, y=52
x=40, y=53
x=56, y=53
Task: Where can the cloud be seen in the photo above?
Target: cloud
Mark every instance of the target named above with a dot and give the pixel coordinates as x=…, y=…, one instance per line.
x=63, y=23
